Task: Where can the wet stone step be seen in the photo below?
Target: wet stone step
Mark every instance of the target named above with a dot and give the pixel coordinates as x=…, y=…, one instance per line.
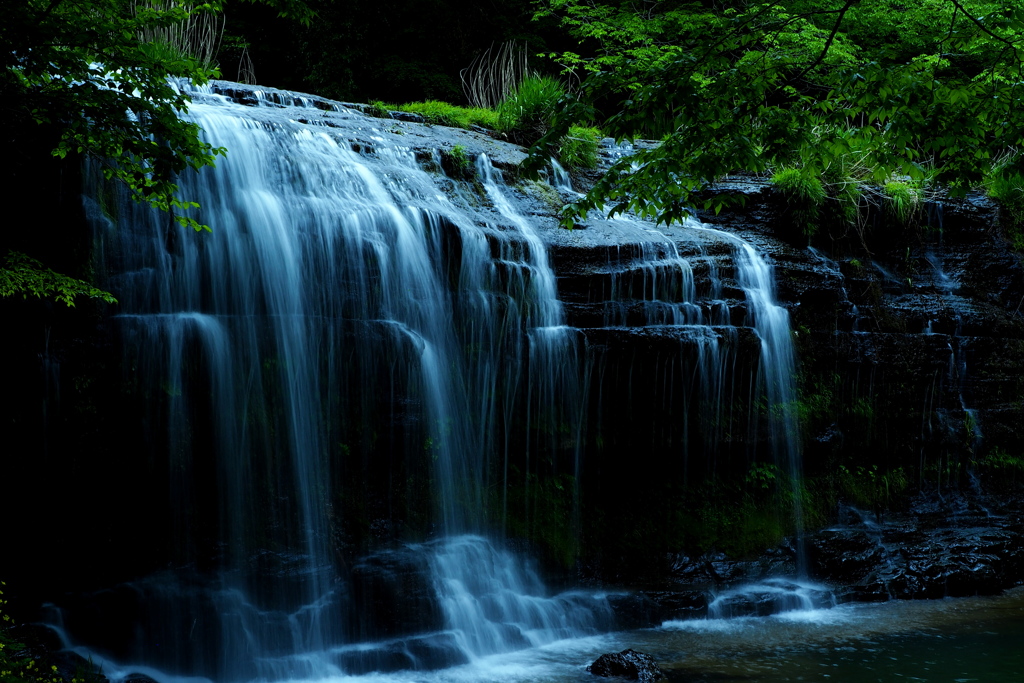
x=570, y=259
x=643, y=314
x=646, y=339
x=773, y=596
x=671, y=285
x=424, y=653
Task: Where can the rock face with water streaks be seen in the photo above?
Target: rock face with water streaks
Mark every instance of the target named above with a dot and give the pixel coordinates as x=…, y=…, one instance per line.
x=909, y=337
x=378, y=351
x=911, y=348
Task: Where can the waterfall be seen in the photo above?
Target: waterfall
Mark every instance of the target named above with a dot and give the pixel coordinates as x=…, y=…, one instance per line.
x=358, y=382
x=653, y=288
x=337, y=293
x=777, y=370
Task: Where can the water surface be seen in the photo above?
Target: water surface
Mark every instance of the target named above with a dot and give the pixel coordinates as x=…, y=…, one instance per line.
x=953, y=641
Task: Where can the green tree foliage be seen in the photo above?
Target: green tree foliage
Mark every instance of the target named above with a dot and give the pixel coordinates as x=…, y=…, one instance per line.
x=26, y=276
x=83, y=68
x=80, y=64
x=931, y=89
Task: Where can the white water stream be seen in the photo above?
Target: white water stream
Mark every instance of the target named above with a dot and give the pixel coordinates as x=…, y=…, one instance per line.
x=334, y=288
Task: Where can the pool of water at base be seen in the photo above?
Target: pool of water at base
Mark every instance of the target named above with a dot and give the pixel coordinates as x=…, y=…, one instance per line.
x=935, y=641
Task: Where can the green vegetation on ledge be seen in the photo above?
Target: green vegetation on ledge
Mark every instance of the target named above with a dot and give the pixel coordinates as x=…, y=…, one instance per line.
x=794, y=84
x=444, y=114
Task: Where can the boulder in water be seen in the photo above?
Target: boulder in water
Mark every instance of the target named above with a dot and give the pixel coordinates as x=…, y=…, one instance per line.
x=394, y=595
x=630, y=664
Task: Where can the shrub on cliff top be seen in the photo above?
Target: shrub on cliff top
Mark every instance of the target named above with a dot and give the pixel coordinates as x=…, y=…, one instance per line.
x=804, y=194
x=1009, y=192
x=526, y=114
x=578, y=149
x=903, y=200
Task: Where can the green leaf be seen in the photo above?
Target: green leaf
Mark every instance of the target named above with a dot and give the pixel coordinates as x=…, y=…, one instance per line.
x=22, y=275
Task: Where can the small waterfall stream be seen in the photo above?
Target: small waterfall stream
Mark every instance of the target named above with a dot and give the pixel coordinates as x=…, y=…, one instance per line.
x=354, y=318
x=777, y=370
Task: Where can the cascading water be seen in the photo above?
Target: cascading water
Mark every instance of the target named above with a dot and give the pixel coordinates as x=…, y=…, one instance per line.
x=657, y=290
x=330, y=280
x=356, y=320
x=777, y=369
x=769, y=597
x=653, y=288
x=494, y=604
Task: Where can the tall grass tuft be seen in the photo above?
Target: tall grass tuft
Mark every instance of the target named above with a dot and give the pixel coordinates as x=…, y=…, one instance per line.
x=804, y=193
x=902, y=201
x=578, y=149
x=197, y=34
x=1008, y=190
x=525, y=115
x=493, y=74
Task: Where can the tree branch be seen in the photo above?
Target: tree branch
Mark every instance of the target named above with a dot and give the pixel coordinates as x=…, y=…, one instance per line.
x=828, y=43
x=976, y=22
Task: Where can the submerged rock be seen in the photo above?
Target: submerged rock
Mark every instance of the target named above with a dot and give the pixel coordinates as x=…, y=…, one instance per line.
x=428, y=652
x=768, y=597
x=635, y=666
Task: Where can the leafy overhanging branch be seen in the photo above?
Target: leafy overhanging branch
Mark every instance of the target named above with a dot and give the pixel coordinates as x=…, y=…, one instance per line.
x=783, y=86
x=26, y=276
x=83, y=67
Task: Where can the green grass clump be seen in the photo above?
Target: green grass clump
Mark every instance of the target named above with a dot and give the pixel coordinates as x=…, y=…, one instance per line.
x=460, y=157
x=805, y=195
x=843, y=180
x=456, y=162
x=379, y=110
x=1008, y=190
x=870, y=488
x=167, y=52
x=1003, y=469
x=903, y=201
x=444, y=114
x=525, y=115
x=578, y=149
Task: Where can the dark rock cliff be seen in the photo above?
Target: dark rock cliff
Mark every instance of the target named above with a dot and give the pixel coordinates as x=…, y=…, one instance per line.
x=910, y=347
